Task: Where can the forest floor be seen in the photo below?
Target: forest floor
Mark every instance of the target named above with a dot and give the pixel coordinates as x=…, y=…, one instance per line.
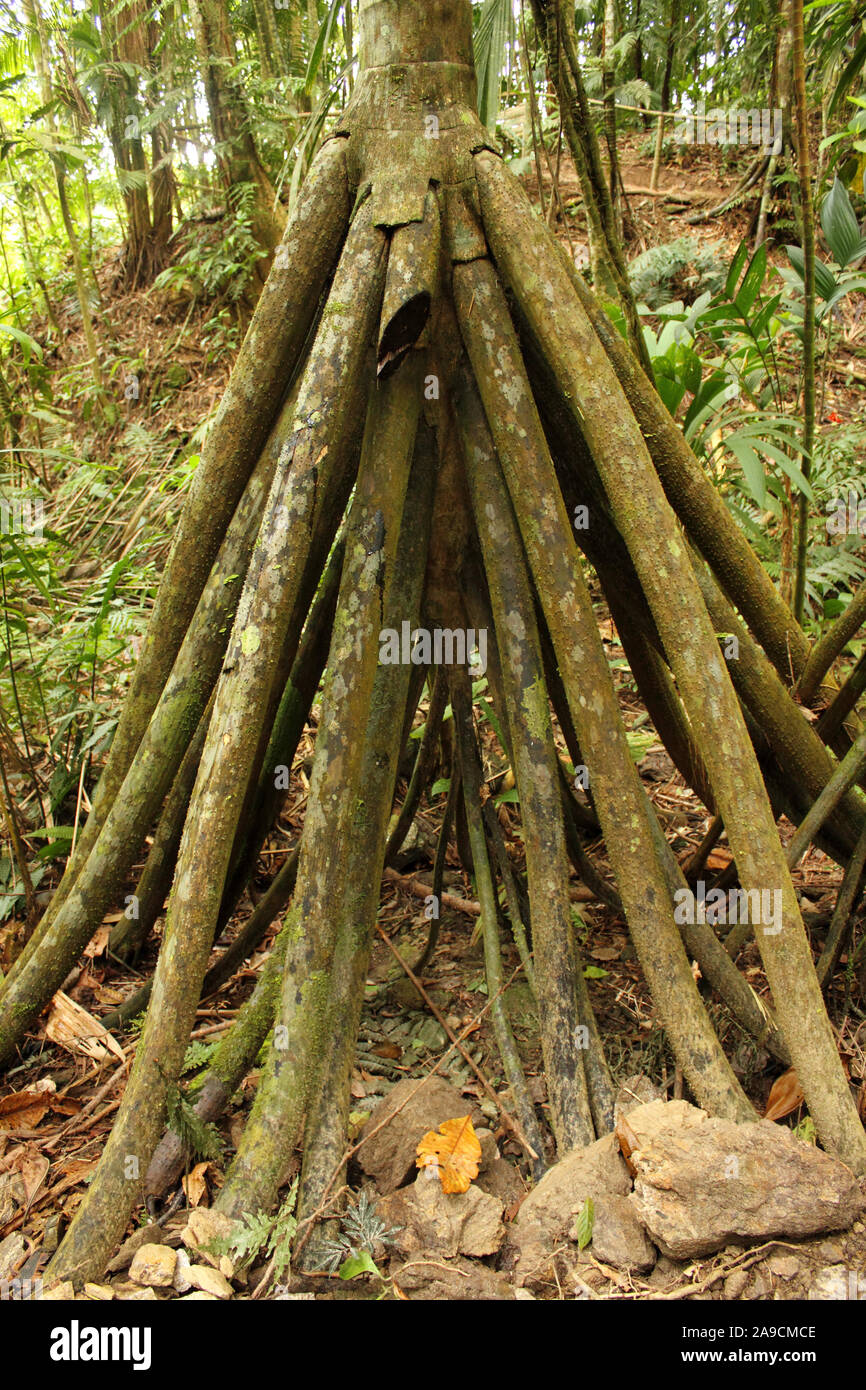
x=58, y=1104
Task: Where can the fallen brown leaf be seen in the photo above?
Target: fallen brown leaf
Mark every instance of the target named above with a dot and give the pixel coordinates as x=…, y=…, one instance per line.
x=23, y=1110
x=784, y=1098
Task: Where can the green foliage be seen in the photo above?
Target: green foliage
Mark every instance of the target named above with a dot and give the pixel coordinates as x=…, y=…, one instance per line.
x=584, y=1222
x=201, y=1140
x=261, y=1234
x=361, y=1230
x=653, y=273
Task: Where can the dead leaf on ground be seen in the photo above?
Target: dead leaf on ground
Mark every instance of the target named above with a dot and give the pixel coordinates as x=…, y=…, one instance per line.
x=195, y=1184
x=23, y=1110
x=32, y=1168
x=453, y=1153
x=784, y=1098
x=73, y=1028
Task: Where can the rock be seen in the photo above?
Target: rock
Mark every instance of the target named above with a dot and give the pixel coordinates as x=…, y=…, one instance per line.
x=546, y=1214
x=457, y=1280
x=12, y=1251
x=594, y=1171
x=205, y=1227
x=209, y=1281
x=489, y=1148
x=759, y=1288
x=635, y=1091
x=199, y=1297
x=181, y=1274
x=618, y=1238
x=408, y=1112
x=139, y=1296
x=59, y=1293
x=501, y=1179
x=785, y=1266
x=151, y=1234
x=736, y=1283
x=834, y=1282
x=702, y=1182
x=153, y=1266
x=830, y=1251
x=102, y=1293
x=444, y=1224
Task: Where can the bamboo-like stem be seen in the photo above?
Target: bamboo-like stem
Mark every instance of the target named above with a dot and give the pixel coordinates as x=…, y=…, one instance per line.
x=804, y=178
x=235, y=1054
x=327, y=1121
x=337, y=807
x=847, y=773
x=294, y=709
x=800, y=753
x=243, y=713
x=830, y=723
x=129, y=934
x=619, y=798
x=310, y=485
x=647, y=524
x=470, y=766
x=273, y=344
x=697, y=503
x=849, y=892
x=515, y=910
x=830, y=644
x=564, y=1042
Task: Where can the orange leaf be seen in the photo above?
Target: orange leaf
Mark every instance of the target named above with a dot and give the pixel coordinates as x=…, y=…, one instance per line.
x=452, y=1154
x=785, y=1096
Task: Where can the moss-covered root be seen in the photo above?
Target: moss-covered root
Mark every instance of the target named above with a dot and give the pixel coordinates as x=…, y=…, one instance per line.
x=564, y=1033
x=803, y=760
x=541, y=283
x=146, y=903
x=833, y=641
x=325, y=1134
x=243, y=711
x=849, y=771
x=185, y=694
x=271, y=349
x=555, y=567
x=309, y=487
x=297, y=698
x=337, y=810
x=235, y=1054
x=470, y=767
x=508, y=219
x=849, y=893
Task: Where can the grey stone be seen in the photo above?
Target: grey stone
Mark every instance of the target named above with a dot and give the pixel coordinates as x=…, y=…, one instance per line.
x=443, y=1224
x=618, y=1238
x=703, y=1182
